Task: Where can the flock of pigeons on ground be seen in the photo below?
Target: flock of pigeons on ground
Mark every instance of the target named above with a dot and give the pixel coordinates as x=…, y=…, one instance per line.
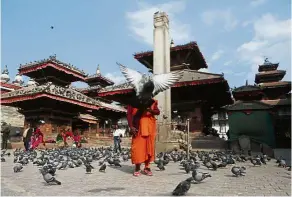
x=51, y=160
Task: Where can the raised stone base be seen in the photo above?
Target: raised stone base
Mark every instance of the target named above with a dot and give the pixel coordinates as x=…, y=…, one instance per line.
x=9, y=145
x=209, y=142
x=165, y=146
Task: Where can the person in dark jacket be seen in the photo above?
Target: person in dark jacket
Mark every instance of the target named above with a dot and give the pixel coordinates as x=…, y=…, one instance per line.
x=5, y=131
x=27, y=137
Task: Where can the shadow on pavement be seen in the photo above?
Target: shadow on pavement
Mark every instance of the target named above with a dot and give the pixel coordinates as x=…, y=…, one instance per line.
x=107, y=189
x=125, y=168
x=229, y=175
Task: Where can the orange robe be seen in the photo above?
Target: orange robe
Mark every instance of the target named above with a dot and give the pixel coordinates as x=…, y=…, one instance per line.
x=143, y=144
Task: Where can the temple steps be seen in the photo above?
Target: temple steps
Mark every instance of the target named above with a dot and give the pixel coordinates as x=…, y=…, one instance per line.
x=208, y=142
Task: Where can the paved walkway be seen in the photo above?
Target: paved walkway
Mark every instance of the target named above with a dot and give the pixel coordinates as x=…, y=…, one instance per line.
x=266, y=180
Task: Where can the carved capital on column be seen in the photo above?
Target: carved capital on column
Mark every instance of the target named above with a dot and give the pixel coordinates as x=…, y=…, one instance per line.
x=161, y=19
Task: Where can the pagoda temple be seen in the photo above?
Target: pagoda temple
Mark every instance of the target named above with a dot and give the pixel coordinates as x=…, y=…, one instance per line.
x=265, y=106
x=192, y=96
x=96, y=82
x=50, y=97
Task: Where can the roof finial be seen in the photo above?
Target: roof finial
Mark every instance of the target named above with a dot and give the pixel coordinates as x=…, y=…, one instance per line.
x=246, y=83
x=266, y=61
x=171, y=43
x=5, y=71
x=98, y=70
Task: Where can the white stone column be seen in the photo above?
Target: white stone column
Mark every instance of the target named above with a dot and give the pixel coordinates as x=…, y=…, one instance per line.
x=161, y=64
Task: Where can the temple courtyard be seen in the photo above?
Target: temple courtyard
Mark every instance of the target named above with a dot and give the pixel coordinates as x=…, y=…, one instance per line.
x=266, y=180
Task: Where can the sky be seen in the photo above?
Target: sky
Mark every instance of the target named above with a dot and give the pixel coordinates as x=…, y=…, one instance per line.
x=234, y=36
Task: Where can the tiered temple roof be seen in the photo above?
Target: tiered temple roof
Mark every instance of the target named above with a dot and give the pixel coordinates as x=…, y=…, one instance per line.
x=270, y=80
x=268, y=73
x=181, y=90
x=190, y=77
x=187, y=56
x=52, y=70
x=50, y=93
x=248, y=92
x=58, y=93
x=98, y=80
x=271, y=92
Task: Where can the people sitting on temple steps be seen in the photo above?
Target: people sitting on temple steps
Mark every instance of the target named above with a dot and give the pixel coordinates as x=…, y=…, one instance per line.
x=37, y=138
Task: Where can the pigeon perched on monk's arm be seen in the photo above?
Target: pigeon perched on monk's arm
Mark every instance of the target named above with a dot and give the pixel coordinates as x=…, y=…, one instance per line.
x=163, y=82
x=152, y=85
x=133, y=77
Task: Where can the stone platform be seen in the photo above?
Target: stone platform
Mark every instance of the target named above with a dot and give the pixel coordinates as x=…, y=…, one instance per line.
x=209, y=142
x=259, y=181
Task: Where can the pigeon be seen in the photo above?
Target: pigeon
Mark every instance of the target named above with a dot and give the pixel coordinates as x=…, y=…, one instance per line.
x=88, y=167
x=3, y=159
x=161, y=166
x=222, y=165
x=282, y=163
x=183, y=187
x=146, y=87
x=17, y=168
x=263, y=160
x=49, y=178
x=199, y=176
x=117, y=163
x=102, y=168
x=256, y=162
x=238, y=171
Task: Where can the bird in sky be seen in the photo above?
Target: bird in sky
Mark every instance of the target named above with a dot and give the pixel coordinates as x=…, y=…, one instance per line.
x=52, y=27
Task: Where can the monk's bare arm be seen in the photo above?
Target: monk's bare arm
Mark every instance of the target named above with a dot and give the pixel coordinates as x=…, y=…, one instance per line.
x=155, y=110
x=129, y=116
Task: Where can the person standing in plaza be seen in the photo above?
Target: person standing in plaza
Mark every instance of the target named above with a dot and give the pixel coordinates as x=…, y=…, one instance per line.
x=26, y=136
x=117, y=138
x=77, y=139
x=142, y=123
x=5, y=132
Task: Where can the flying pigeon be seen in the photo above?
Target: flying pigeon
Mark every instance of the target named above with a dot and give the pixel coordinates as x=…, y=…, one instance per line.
x=147, y=86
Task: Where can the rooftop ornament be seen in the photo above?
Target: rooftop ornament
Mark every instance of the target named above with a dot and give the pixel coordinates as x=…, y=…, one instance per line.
x=18, y=80
x=98, y=70
x=267, y=62
x=31, y=82
x=171, y=43
x=5, y=75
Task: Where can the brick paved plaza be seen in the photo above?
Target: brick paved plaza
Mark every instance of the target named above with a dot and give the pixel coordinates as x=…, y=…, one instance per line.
x=265, y=180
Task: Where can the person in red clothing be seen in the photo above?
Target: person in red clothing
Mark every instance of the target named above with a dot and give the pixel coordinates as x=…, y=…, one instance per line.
x=77, y=139
x=37, y=138
x=67, y=134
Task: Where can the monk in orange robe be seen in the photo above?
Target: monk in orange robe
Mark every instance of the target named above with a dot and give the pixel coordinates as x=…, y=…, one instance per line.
x=142, y=125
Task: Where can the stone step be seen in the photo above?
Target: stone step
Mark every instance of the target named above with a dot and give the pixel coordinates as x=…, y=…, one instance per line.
x=209, y=144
